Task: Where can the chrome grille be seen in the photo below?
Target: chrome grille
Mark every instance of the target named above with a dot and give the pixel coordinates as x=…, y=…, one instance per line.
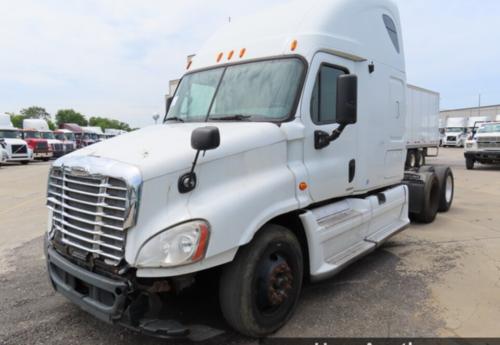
x=488, y=142
x=89, y=213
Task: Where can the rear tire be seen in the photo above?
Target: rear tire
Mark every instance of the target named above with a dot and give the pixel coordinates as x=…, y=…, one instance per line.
x=260, y=289
x=430, y=202
x=447, y=187
x=411, y=159
x=469, y=163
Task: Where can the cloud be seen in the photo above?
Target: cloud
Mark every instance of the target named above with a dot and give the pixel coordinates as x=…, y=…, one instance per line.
x=115, y=58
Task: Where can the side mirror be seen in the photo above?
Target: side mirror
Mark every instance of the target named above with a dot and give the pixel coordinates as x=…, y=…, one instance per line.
x=202, y=139
x=168, y=104
x=205, y=138
x=347, y=99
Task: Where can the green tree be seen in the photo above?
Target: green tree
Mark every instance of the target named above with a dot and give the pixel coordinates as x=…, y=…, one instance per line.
x=35, y=113
x=104, y=123
x=16, y=119
x=70, y=116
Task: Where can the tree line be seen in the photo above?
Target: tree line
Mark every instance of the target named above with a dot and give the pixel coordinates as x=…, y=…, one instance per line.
x=65, y=116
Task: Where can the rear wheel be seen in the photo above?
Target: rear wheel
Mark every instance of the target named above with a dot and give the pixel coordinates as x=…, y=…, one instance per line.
x=411, y=159
x=447, y=187
x=259, y=290
x=469, y=163
x=430, y=202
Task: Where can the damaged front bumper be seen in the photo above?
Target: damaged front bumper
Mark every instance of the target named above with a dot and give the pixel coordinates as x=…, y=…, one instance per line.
x=112, y=301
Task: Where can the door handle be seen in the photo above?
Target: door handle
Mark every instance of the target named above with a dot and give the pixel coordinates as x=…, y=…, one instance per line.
x=352, y=170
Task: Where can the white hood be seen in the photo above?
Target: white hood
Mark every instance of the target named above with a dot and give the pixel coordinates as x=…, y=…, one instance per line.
x=10, y=141
x=163, y=149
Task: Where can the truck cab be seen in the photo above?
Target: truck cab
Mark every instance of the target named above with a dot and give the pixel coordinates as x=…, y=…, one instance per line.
x=39, y=146
x=281, y=159
x=455, y=133
x=14, y=146
x=67, y=138
x=484, y=145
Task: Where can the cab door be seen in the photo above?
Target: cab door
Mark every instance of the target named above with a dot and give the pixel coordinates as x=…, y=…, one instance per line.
x=332, y=169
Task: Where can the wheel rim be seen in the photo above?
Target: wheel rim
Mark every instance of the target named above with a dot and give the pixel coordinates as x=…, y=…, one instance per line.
x=449, y=188
x=275, y=283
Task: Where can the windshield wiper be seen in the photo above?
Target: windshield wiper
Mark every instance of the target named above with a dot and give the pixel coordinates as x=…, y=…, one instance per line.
x=238, y=117
x=174, y=118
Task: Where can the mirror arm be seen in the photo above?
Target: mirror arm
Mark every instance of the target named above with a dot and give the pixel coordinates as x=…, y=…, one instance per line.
x=187, y=182
x=337, y=133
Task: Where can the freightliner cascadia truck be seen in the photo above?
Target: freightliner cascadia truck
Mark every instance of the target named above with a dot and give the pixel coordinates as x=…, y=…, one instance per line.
x=281, y=160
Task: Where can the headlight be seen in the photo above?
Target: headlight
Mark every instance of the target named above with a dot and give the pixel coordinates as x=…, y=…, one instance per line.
x=180, y=245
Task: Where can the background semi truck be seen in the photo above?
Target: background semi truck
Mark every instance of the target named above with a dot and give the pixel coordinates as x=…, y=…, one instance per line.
x=15, y=147
x=456, y=132
x=41, y=126
x=281, y=159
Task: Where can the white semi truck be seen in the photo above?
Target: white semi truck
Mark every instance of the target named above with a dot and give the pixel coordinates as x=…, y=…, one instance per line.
x=422, y=125
x=456, y=132
x=281, y=159
x=15, y=147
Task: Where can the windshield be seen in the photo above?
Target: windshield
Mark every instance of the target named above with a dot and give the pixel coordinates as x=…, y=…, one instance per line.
x=7, y=134
x=48, y=135
x=264, y=90
x=454, y=130
x=70, y=136
x=490, y=128
x=60, y=136
x=32, y=135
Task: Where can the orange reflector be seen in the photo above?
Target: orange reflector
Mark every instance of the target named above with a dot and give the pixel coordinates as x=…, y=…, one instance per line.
x=202, y=244
x=219, y=57
x=189, y=64
x=294, y=45
x=303, y=186
x=230, y=55
x=242, y=52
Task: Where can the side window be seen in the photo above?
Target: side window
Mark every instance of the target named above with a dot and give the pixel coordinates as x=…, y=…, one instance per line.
x=324, y=97
x=391, y=29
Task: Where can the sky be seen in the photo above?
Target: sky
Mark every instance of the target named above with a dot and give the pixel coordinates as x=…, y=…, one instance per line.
x=114, y=58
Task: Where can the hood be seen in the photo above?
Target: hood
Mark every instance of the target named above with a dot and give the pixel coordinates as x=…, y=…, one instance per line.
x=164, y=149
x=54, y=141
x=11, y=141
x=487, y=135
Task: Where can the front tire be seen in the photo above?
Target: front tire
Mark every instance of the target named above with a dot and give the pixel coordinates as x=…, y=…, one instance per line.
x=25, y=162
x=469, y=163
x=260, y=289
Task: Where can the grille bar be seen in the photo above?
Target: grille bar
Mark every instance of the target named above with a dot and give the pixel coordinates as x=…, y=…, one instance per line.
x=67, y=179
x=122, y=209
x=93, y=251
x=104, y=195
x=83, y=220
x=111, y=237
x=96, y=214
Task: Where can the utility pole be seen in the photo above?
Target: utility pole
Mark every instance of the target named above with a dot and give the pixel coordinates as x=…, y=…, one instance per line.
x=156, y=117
x=479, y=106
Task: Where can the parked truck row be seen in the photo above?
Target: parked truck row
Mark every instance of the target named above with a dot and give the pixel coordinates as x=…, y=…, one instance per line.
x=282, y=159
x=35, y=141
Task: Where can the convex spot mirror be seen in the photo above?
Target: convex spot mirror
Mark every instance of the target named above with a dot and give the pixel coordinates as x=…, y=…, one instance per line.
x=205, y=138
x=347, y=99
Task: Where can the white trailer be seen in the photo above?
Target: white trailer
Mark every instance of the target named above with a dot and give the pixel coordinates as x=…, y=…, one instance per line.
x=456, y=132
x=282, y=157
x=422, y=124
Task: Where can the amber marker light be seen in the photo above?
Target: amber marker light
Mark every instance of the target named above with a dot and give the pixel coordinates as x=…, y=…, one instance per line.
x=303, y=186
x=294, y=45
x=219, y=57
x=230, y=55
x=242, y=52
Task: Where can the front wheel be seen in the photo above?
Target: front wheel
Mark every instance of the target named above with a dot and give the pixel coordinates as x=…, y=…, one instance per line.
x=25, y=162
x=260, y=289
x=469, y=163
